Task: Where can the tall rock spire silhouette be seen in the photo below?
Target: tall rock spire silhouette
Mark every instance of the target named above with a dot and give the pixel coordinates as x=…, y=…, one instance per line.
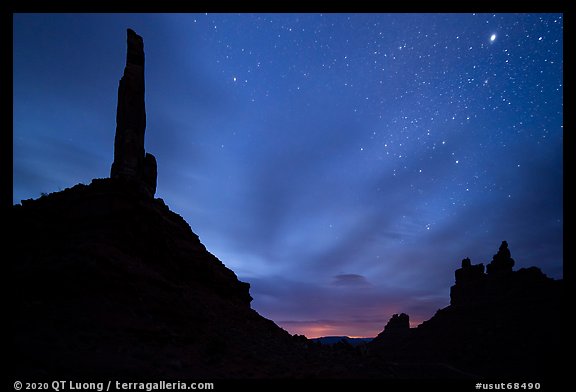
x=131, y=162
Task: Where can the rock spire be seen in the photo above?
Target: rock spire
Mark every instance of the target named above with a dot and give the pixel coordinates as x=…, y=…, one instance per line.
x=131, y=162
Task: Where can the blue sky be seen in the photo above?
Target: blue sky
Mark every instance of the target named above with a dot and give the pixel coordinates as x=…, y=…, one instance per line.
x=342, y=164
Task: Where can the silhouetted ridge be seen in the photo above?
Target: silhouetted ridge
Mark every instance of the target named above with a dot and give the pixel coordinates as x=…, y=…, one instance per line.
x=496, y=323
x=111, y=282
x=473, y=286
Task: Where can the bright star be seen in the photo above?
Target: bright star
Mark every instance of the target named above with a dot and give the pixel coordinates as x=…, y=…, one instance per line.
x=492, y=37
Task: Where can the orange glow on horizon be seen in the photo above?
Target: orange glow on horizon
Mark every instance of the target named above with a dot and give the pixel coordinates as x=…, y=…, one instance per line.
x=351, y=329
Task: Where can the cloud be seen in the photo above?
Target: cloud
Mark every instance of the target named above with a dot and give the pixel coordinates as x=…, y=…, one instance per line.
x=355, y=307
x=350, y=280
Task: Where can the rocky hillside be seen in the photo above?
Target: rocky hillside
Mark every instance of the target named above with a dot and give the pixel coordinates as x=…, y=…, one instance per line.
x=499, y=323
x=108, y=281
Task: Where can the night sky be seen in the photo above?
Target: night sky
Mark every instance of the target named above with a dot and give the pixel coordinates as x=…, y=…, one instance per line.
x=343, y=165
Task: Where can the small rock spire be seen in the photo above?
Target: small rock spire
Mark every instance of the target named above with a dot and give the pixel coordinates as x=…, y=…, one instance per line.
x=502, y=262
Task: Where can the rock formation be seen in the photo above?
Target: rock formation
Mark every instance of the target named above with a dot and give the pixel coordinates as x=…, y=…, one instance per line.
x=393, y=335
x=473, y=286
x=470, y=280
x=130, y=160
x=468, y=272
x=497, y=324
x=398, y=324
x=502, y=262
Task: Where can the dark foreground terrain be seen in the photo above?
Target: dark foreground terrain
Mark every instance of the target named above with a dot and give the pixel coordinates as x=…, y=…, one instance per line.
x=107, y=281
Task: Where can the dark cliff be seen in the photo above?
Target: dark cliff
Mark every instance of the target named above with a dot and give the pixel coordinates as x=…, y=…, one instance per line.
x=107, y=281
x=499, y=323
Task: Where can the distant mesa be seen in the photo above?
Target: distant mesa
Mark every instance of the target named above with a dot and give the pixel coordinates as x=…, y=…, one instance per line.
x=333, y=340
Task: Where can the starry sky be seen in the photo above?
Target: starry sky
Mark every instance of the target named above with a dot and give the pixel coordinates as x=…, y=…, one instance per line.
x=342, y=164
